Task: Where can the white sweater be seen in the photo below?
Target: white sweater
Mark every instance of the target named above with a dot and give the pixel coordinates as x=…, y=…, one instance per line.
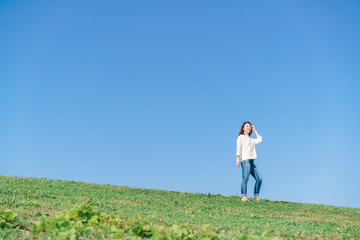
x=245, y=147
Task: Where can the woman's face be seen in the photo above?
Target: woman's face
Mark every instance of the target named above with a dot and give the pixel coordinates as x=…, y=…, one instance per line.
x=247, y=128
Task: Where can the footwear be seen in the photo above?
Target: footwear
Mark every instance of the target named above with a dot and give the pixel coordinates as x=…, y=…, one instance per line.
x=256, y=198
x=244, y=198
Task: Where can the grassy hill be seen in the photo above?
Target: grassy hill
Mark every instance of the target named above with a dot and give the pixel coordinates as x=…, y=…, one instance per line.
x=32, y=208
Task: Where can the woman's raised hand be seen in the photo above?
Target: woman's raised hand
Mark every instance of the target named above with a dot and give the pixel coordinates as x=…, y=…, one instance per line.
x=253, y=127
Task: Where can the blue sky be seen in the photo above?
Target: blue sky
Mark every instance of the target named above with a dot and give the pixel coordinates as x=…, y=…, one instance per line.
x=153, y=94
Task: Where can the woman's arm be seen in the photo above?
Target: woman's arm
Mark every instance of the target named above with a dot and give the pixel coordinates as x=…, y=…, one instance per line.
x=238, y=151
x=259, y=138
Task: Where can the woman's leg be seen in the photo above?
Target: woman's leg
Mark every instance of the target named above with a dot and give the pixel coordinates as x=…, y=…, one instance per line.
x=254, y=171
x=245, y=165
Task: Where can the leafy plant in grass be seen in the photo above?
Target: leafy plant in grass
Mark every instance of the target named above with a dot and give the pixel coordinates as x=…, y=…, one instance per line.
x=87, y=220
x=8, y=219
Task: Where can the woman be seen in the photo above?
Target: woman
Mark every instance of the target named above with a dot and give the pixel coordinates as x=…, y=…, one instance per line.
x=246, y=151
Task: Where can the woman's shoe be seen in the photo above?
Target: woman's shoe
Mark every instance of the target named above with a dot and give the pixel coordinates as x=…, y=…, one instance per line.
x=244, y=198
x=256, y=198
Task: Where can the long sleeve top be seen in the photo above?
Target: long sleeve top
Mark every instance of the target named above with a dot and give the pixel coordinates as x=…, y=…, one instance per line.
x=245, y=147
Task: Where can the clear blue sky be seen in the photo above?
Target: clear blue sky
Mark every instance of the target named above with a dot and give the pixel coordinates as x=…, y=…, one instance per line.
x=152, y=94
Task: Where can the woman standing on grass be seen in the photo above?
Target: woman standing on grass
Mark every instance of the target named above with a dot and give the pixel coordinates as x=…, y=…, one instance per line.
x=245, y=149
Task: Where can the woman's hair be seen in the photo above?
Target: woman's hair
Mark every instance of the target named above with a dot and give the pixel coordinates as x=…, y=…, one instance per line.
x=242, y=128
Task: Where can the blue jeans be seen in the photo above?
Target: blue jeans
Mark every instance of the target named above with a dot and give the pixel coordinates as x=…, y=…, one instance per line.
x=248, y=167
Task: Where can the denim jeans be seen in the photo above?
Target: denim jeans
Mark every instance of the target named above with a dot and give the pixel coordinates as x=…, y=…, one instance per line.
x=248, y=167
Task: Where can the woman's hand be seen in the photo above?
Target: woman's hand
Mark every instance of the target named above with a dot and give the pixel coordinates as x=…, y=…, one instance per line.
x=253, y=128
x=238, y=162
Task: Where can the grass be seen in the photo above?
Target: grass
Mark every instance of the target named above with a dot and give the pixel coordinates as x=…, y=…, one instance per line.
x=32, y=198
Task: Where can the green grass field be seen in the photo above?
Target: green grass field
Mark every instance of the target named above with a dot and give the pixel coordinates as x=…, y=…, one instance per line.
x=32, y=208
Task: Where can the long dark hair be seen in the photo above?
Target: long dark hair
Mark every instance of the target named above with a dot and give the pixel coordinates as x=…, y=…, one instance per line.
x=242, y=128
